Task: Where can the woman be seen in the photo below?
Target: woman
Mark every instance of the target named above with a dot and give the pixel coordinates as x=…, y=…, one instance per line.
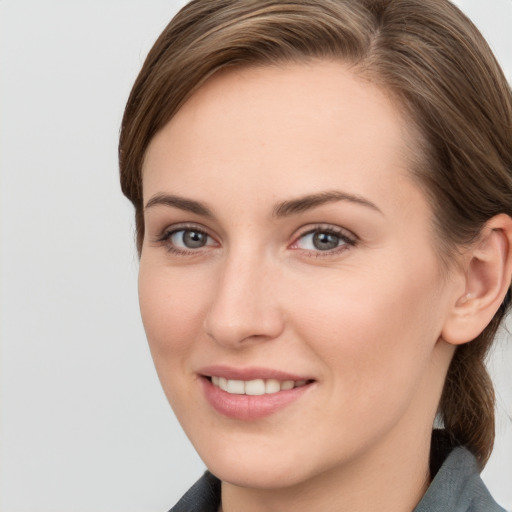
x=323, y=199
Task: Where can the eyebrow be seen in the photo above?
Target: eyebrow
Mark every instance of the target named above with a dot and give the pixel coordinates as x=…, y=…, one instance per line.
x=283, y=209
x=188, y=205
x=301, y=204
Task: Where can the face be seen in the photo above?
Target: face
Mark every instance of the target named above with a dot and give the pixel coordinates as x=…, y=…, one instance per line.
x=289, y=284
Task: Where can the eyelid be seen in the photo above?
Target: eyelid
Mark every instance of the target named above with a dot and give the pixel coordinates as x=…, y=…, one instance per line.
x=165, y=236
x=346, y=236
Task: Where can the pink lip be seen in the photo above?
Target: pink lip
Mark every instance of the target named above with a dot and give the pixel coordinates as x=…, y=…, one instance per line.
x=249, y=407
x=249, y=373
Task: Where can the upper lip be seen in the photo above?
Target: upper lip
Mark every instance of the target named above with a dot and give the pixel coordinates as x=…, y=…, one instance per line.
x=249, y=373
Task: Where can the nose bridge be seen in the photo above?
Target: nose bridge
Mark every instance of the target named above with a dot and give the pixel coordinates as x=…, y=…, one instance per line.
x=243, y=305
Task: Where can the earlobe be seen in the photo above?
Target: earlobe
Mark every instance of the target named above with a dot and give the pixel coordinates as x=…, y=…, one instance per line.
x=488, y=271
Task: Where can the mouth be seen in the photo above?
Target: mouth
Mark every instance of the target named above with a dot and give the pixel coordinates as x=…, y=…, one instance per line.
x=255, y=387
x=252, y=394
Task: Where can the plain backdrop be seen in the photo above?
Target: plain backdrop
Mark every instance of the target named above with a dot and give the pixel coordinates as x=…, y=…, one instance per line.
x=84, y=425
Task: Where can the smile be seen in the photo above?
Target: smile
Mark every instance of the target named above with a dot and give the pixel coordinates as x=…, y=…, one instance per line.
x=255, y=387
x=249, y=394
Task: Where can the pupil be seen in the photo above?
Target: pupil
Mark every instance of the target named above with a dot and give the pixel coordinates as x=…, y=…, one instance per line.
x=194, y=239
x=325, y=241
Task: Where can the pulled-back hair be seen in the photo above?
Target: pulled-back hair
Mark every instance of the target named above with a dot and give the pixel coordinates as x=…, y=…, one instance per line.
x=441, y=74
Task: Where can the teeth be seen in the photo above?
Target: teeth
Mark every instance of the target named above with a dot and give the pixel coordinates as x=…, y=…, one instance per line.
x=236, y=387
x=272, y=386
x=223, y=384
x=255, y=387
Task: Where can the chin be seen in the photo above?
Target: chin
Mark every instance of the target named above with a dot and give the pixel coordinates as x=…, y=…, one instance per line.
x=278, y=474
x=256, y=463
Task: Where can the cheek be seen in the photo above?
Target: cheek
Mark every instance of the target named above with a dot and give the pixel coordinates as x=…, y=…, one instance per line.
x=376, y=330
x=171, y=304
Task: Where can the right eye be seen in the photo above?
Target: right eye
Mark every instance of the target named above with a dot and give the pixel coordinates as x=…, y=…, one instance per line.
x=189, y=239
x=186, y=240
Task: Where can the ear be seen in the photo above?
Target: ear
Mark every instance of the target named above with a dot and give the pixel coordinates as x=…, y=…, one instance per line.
x=488, y=274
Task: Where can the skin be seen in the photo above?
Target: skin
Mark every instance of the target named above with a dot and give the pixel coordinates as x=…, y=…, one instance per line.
x=364, y=320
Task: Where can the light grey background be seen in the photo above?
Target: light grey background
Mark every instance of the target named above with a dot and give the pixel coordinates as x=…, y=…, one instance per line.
x=84, y=425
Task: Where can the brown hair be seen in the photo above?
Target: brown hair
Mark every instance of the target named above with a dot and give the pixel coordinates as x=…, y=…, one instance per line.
x=428, y=56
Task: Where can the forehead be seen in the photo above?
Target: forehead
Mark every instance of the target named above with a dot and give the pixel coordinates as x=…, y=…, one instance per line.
x=266, y=129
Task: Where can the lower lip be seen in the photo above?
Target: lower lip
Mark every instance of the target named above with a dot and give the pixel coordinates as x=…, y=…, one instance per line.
x=250, y=407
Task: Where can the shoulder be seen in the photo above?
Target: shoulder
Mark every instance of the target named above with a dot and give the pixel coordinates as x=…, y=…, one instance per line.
x=457, y=487
x=203, y=496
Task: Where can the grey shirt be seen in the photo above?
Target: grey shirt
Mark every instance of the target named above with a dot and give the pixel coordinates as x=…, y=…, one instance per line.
x=456, y=487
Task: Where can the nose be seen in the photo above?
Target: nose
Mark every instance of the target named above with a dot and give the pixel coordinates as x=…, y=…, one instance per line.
x=244, y=307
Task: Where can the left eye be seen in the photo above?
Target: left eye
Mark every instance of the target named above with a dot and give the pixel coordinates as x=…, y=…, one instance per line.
x=189, y=239
x=321, y=240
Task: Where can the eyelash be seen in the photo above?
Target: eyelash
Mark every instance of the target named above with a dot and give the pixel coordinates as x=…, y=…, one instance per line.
x=165, y=239
x=345, y=240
